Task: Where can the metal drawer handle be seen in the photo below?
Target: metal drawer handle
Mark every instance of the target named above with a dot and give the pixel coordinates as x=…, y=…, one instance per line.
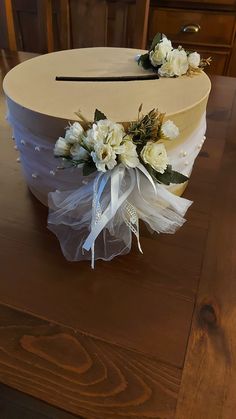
x=191, y=28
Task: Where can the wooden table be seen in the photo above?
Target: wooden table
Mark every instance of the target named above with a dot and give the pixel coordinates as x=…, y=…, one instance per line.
x=144, y=336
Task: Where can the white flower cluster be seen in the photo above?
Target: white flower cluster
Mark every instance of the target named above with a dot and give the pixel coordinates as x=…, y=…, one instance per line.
x=70, y=145
x=110, y=145
x=172, y=62
x=106, y=144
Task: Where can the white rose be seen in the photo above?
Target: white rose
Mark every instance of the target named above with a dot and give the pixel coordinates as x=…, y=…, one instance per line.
x=61, y=148
x=155, y=155
x=110, y=132
x=166, y=70
x=74, y=133
x=176, y=64
x=159, y=54
x=78, y=153
x=194, y=59
x=104, y=157
x=90, y=139
x=129, y=156
x=169, y=130
x=105, y=132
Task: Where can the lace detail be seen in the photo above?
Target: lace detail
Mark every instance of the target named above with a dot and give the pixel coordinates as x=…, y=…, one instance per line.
x=130, y=218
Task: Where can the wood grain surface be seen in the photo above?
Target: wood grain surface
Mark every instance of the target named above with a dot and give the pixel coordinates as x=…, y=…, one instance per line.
x=139, y=335
x=17, y=405
x=210, y=366
x=83, y=374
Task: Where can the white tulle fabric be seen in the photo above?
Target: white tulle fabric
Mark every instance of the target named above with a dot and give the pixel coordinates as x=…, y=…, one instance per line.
x=96, y=221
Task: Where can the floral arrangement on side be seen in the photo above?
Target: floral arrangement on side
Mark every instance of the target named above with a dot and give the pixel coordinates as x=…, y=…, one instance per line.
x=167, y=61
x=103, y=144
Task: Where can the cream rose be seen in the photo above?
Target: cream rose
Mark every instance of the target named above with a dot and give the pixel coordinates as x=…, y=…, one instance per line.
x=169, y=130
x=128, y=155
x=74, y=133
x=104, y=157
x=159, y=54
x=105, y=132
x=62, y=148
x=109, y=132
x=176, y=64
x=194, y=59
x=155, y=155
x=90, y=137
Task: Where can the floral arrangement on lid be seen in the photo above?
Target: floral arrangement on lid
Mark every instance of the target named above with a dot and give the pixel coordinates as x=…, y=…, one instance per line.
x=167, y=61
x=127, y=168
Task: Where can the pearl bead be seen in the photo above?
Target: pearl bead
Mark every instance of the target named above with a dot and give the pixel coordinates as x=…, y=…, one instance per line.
x=199, y=146
x=204, y=137
x=15, y=147
x=18, y=159
x=57, y=191
x=34, y=175
x=36, y=148
x=185, y=153
x=52, y=172
x=186, y=163
x=22, y=142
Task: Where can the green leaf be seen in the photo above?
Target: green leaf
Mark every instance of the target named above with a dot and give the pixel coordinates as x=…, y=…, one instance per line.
x=78, y=162
x=177, y=177
x=144, y=61
x=169, y=176
x=157, y=38
x=89, y=168
x=98, y=115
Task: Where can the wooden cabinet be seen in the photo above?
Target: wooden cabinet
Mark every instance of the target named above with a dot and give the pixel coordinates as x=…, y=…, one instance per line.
x=47, y=25
x=206, y=27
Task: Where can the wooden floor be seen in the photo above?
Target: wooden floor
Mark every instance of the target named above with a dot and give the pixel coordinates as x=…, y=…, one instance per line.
x=143, y=336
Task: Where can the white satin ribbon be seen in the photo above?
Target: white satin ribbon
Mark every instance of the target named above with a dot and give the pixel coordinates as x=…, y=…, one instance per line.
x=148, y=176
x=116, y=176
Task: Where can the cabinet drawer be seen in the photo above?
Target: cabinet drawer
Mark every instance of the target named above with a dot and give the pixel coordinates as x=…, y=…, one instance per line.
x=220, y=60
x=212, y=28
